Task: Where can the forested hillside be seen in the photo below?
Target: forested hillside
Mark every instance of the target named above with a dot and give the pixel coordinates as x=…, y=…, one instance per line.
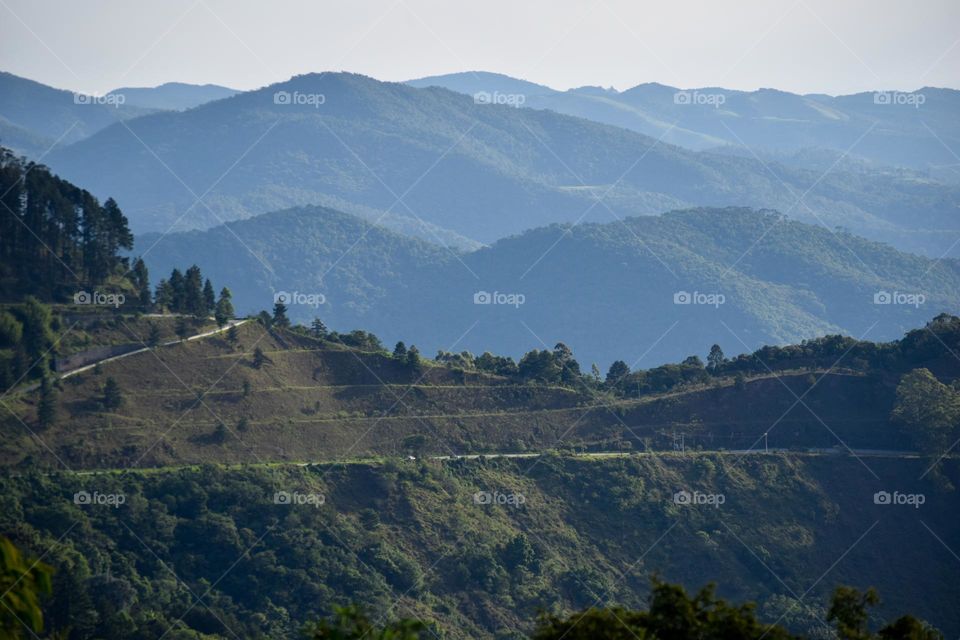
x=482, y=171
x=606, y=290
x=411, y=539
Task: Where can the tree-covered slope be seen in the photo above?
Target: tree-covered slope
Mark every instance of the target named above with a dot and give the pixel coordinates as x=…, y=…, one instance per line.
x=483, y=171
x=606, y=290
x=215, y=551
x=353, y=263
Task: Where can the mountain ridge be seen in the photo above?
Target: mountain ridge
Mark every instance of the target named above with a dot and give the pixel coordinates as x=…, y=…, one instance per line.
x=783, y=281
x=464, y=167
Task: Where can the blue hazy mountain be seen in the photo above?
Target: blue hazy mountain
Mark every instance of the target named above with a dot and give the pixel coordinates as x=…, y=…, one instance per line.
x=903, y=127
x=34, y=116
x=482, y=171
x=175, y=96
x=607, y=290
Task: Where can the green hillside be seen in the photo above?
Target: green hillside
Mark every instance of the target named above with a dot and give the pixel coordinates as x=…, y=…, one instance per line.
x=213, y=551
x=782, y=282
x=274, y=394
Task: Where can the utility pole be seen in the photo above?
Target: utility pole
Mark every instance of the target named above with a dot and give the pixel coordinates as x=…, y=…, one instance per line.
x=765, y=448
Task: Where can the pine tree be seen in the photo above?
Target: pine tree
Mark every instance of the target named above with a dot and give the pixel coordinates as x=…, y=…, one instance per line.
x=413, y=358
x=400, y=351
x=280, y=315
x=140, y=278
x=55, y=238
x=153, y=338
x=258, y=358
x=224, y=307
x=318, y=329
x=193, y=292
x=178, y=292
x=232, y=335
x=112, y=395
x=209, y=298
x=163, y=296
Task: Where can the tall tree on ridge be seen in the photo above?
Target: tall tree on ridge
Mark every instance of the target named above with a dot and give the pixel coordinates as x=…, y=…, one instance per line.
x=209, y=298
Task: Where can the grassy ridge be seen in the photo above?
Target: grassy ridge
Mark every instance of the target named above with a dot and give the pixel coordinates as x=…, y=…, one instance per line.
x=206, y=401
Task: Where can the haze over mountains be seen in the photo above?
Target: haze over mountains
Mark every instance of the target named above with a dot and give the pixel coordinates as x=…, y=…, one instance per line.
x=914, y=129
x=175, y=96
x=470, y=168
x=606, y=290
x=480, y=171
x=35, y=117
x=397, y=189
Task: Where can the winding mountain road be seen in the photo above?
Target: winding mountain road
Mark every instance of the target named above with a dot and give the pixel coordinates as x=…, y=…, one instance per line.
x=206, y=334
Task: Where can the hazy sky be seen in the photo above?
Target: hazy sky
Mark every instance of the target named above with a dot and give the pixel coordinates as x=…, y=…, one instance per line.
x=828, y=46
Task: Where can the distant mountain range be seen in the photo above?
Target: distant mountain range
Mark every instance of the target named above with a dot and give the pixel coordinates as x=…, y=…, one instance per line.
x=34, y=116
x=919, y=129
x=478, y=171
x=660, y=287
x=173, y=96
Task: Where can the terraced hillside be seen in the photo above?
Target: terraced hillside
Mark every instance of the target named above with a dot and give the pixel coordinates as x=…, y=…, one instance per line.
x=279, y=395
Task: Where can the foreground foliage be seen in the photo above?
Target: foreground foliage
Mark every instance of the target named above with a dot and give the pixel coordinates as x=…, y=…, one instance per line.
x=672, y=614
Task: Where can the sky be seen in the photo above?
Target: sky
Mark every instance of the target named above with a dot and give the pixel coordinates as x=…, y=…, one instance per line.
x=803, y=46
